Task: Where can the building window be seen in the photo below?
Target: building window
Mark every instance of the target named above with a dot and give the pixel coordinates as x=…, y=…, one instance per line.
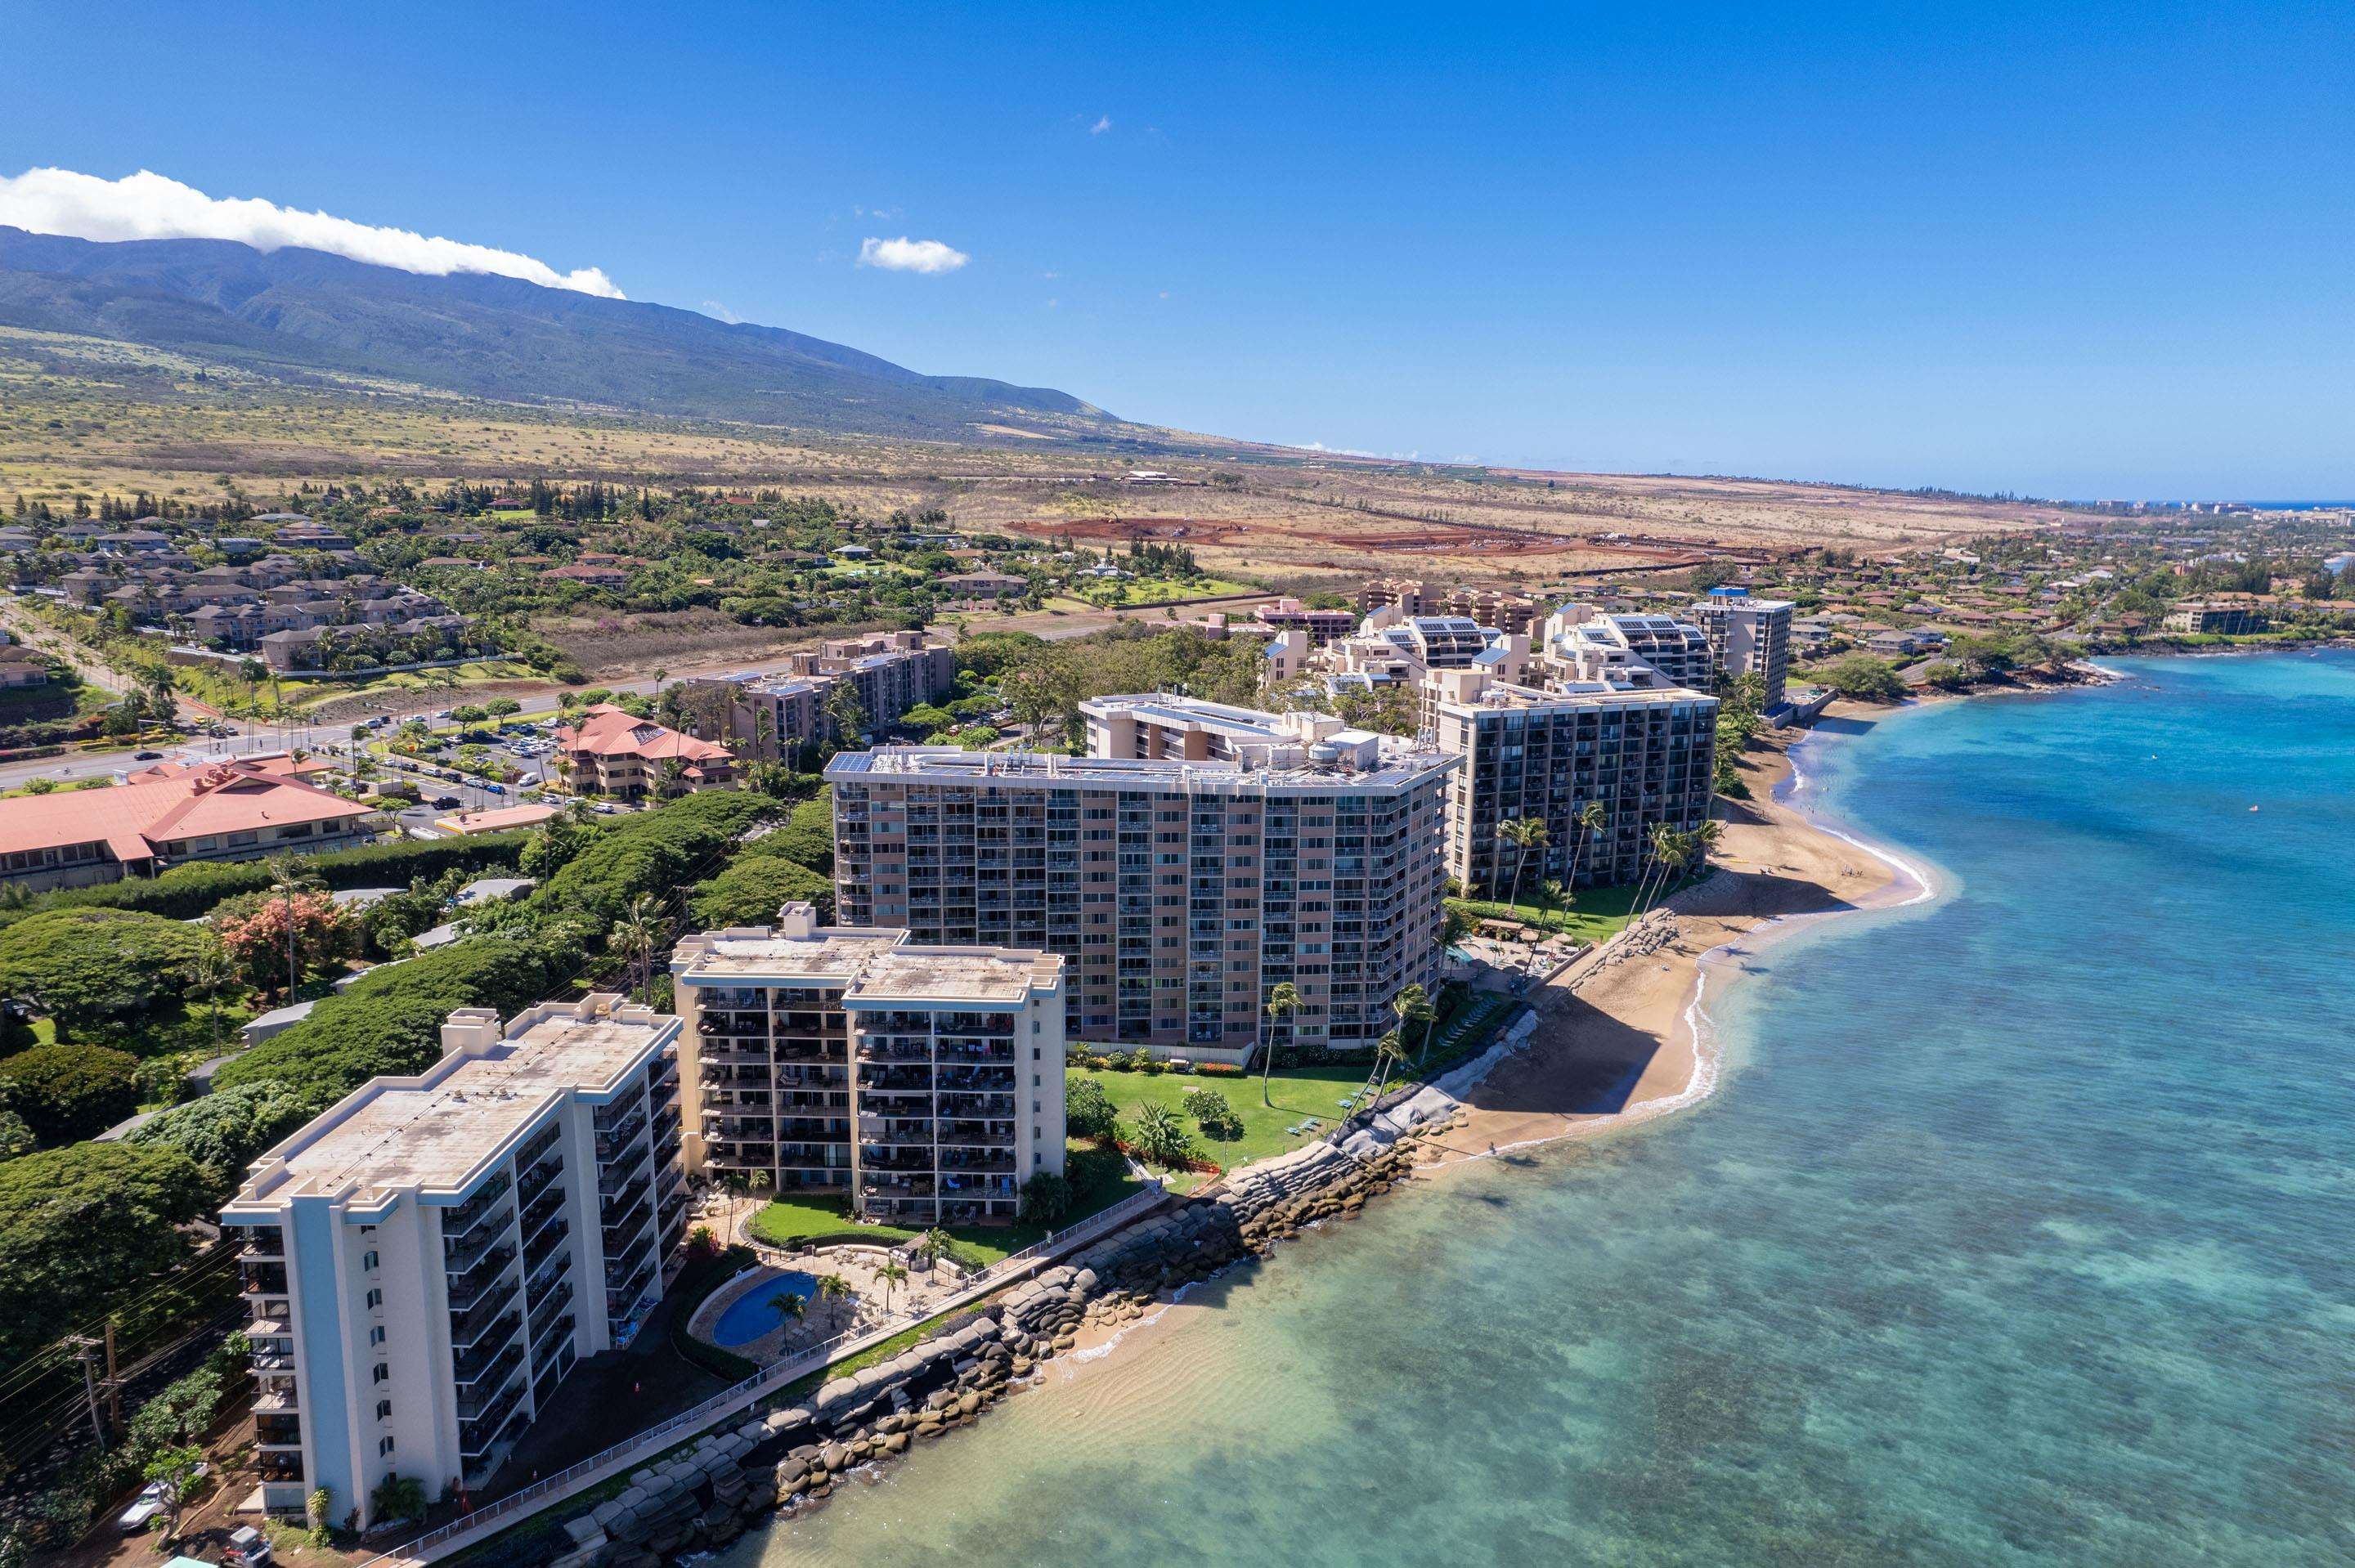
x=375, y=1299
x=384, y=1446
x=384, y=1410
x=376, y=1335
x=381, y=1372
x=368, y=1261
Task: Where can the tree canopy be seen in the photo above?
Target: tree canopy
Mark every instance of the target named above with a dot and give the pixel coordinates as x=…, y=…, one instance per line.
x=82, y=1227
x=81, y=965
x=66, y=1092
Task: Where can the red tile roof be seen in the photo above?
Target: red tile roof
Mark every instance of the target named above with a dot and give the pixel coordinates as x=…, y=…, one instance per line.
x=137, y=819
x=607, y=731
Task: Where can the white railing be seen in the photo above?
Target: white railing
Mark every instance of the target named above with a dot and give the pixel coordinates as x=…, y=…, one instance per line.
x=600, y=1466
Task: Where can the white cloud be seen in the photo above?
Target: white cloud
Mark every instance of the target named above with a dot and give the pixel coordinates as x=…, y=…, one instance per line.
x=147, y=205
x=1101, y=126
x=906, y=255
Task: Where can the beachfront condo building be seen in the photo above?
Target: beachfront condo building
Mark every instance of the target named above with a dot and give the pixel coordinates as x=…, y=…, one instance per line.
x=1748, y=636
x=1180, y=888
x=1646, y=752
x=426, y=1261
x=921, y=1085
x=1677, y=651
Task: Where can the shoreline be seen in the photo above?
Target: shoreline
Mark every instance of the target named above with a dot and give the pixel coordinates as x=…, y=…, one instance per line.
x=1681, y=1030
x=1625, y=1035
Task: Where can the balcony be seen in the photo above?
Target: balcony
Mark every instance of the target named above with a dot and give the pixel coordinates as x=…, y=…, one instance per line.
x=458, y=1221
x=623, y=1139
x=483, y=1281
x=262, y=1278
x=276, y=1396
x=536, y=1180
x=488, y=1233
x=630, y=1196
x=280, y=1465
x=480, y=1332
x=278, y=1431
x=551, y=1239
x=472, y=1362
x=480, y=1393
x=553, y=1339
x=479, y=1436
x=263, y=1243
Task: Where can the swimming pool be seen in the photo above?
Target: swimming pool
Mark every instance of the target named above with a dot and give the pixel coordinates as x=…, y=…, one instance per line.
x=749, y=1316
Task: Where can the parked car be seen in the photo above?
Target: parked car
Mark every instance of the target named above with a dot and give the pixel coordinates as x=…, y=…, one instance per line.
x=147, y=756
x=147, y=1505
x=446, y=802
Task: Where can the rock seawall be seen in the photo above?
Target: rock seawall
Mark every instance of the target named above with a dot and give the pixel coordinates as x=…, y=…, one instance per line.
x=797, y=1456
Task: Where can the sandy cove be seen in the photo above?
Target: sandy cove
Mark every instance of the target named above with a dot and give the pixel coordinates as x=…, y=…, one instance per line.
x=1616, y=1041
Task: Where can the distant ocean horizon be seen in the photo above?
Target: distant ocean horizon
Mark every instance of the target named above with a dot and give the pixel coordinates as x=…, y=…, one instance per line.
x=2015, y=1236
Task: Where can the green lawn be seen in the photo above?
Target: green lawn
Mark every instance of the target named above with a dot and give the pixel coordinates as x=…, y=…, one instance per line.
x=1099, y=1180
x=1298, y=1093
x=1595, y=913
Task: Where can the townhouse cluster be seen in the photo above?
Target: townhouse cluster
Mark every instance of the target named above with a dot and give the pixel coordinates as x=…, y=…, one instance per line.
x=300, y=600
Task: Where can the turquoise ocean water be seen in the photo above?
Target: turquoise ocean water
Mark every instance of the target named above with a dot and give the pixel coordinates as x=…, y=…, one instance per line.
x=2021, y=1229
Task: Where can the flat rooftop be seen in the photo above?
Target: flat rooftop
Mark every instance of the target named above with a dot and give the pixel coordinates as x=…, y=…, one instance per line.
x=948, y=765
x=1502, y=695
x=436, y=1131
x=873, y=967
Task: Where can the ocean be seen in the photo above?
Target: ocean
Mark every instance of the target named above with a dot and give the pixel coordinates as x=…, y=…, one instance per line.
x=2021, y=1229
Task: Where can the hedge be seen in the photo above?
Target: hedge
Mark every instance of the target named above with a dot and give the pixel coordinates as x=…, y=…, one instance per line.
x=186, y=892
x=389, y=1020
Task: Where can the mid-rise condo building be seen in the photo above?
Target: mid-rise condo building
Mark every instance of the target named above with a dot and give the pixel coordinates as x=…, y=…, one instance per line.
x=1748, y=636
x=1645, y=754
x=778, y=713
x=1679, y=651
x=1215, y=853
x=921, y=1084
x=426, y=1261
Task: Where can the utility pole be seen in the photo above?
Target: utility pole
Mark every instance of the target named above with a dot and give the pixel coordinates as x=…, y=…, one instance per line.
x=113, y=1382
x=85, y=1350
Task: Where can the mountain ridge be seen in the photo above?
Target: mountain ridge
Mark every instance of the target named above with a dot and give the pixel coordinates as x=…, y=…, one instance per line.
x=489, y=336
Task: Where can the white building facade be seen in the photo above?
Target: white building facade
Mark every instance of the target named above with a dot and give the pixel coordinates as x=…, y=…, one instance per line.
x=427, y=1260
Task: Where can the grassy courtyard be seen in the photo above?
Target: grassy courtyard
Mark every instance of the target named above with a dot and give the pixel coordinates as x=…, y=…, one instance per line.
x=1594, y=914
x=1298, y=1093
x=1099, y=1178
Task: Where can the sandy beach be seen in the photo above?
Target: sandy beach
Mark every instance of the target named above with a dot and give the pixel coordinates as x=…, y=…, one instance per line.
x=1619, y=1038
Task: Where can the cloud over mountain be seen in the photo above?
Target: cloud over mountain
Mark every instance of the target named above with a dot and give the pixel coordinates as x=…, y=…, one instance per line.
x=148, y=205
x=906, y=255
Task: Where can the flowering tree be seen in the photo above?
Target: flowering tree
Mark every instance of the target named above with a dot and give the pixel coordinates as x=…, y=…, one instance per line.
x=257, y=941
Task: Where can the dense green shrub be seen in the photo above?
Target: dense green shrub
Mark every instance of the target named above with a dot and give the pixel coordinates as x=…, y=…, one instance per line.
x=223, y=1131
x=80, y=1229
x=653, y=852
x=66, y=1092
x=389, y=1020
x=80, y=966
x=186, y=892
x=750, y=893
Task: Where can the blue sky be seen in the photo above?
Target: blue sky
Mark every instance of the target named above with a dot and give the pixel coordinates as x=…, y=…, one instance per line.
x=2060, y=249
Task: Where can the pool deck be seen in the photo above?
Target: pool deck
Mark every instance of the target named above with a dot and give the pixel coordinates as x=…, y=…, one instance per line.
x=910, y=1299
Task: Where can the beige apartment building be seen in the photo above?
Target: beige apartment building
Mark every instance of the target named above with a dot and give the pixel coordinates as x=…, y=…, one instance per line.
x=778, y=713
x=1646, y=753
x=1223, y=852
x=1748, y=636
x=921, y=1085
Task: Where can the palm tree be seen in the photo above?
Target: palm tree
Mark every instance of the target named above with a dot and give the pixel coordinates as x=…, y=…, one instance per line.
x=1282, y=1002
x=1591, y=819
x=1668, y=853
x=287, y=877
x=834, y=1290
x=209, y=973
x=1412, y=1006
x=1556, y=893
x=1388, y=1049
x=1159, y=1137
x=893, y=1276
x=934, y=1244
x=635, y=937
x=790, y=1308
x=1524, y=833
